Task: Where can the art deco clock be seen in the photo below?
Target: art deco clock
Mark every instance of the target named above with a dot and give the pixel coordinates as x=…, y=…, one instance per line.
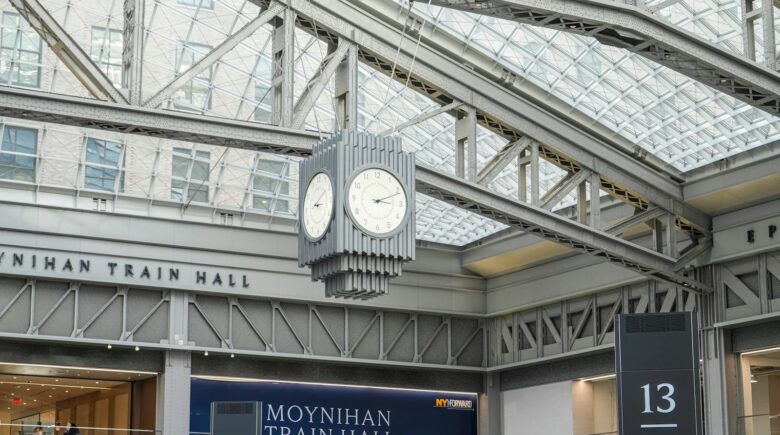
x=355, y=211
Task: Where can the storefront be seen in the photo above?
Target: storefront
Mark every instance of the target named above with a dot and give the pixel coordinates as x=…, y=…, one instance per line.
x=760, y=377
x=48, y=400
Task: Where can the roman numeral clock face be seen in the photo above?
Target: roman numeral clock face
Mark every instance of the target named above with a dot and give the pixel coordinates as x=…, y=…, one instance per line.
x=377, y=201
x=318, y=205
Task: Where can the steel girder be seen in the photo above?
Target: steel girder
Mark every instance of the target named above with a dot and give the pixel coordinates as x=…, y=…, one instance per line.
x=500, y=108
x=124, y=118
x=537, y=221
x=622, y=25
x=125, y=316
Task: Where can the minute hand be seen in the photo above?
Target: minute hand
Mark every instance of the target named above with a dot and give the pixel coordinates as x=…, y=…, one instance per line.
x=386, y=197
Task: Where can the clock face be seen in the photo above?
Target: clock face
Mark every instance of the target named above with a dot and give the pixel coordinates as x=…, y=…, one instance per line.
x=377, y=201
x=318, y=205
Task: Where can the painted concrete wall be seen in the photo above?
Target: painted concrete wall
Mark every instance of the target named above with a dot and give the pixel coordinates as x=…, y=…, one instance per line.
x=540, y=410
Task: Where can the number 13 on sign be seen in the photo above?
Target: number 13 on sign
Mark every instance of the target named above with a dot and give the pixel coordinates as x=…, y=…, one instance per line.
x=667, y=397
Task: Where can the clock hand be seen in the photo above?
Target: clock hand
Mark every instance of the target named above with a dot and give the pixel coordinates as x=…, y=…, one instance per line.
x=317, y=202
x=387, y=197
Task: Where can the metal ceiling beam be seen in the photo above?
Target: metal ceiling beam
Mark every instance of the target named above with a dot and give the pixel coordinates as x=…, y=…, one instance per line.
x=101, y=115
x=216, y=54
x=68, y=51
x=537, y=221
x=133, y=49
x=619, y=24
x=505, y=108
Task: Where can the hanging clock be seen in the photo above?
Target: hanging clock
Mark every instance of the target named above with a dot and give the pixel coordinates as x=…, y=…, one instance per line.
x=357, y=229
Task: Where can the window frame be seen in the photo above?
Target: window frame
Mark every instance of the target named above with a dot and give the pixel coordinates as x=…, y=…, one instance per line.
x=185, y=101
x=187, y=181
x=119, y=179
x=105, y=49
x=35, y=158
x=198, y=4
x=16, y=50
x=282, y=187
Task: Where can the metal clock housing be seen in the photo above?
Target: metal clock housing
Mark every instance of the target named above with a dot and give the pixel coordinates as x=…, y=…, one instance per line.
x=357, y=260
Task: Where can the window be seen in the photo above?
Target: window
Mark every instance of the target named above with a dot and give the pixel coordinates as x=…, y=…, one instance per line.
x=196, y=94
x=203, y=4
x=103, y=165
x=20, y=53
x=106, y=52
x=18, y=154
x=190, y=175
x=263, y=93
x=269, y=185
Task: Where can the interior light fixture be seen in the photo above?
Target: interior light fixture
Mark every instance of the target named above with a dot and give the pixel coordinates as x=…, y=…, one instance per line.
x=276, y=381
x=761, y=351
x=68, y=368
x=599, y=378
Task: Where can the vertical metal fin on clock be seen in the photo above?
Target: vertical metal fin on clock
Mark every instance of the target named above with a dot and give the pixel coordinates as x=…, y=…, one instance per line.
x=351, y=262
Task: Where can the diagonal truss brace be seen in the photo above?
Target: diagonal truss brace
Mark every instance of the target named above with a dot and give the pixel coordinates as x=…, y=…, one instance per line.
x=639, y=218
x=68, y=51
x=620, y=24
x=506, y=155
x=318, y=83
x=214, y=55
x=567, y=186
x=423, y=117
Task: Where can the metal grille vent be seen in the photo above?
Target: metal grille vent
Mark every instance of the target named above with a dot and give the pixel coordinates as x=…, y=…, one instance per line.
x=656, y=323
x=235, y=408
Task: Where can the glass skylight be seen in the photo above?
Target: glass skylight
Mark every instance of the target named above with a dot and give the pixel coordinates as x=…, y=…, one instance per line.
x=683, y=122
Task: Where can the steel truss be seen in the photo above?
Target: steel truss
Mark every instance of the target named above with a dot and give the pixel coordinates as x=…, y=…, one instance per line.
x=577, y=325
x=87, y=313
x=620, y=24
x=442, y=79
x=174, y=319
x=748, y=288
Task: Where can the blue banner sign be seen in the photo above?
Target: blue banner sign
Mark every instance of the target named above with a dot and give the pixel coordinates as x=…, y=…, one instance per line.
x=226, y=407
